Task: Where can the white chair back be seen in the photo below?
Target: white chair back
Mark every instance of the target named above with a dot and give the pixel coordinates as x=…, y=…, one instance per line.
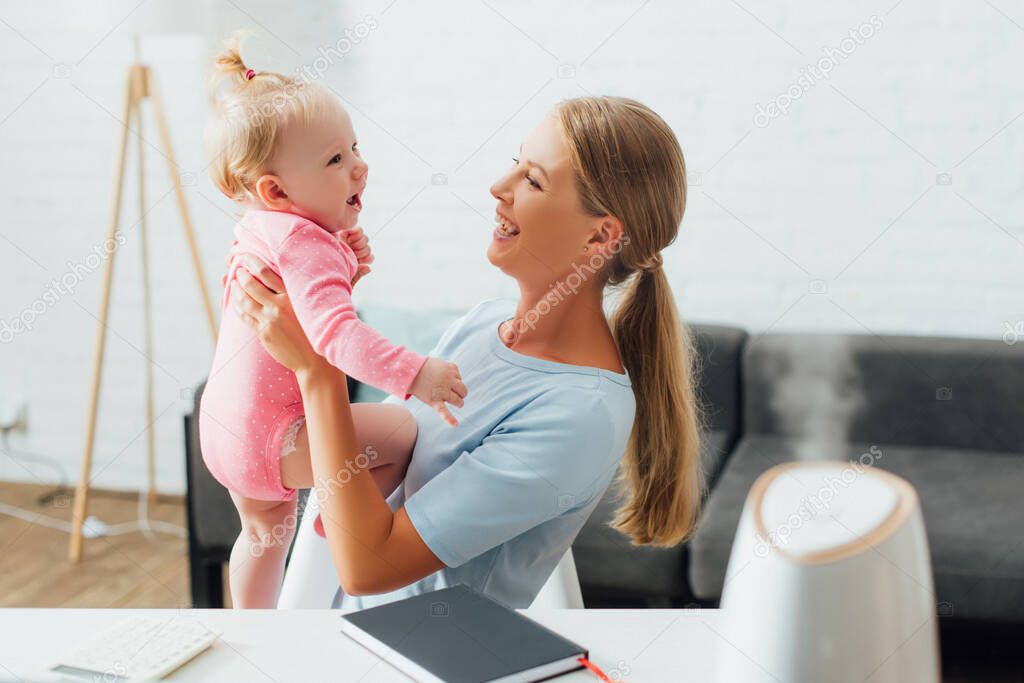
x=562, y=589
x=310, y=581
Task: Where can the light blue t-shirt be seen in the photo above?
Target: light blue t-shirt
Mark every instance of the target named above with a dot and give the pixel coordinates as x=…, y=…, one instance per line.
x=501, y=497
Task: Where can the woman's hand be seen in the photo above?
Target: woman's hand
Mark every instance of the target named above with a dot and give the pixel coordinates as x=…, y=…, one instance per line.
x=263, y=304
x=227, y=264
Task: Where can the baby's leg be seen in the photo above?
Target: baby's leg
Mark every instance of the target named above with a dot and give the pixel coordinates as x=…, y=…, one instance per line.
x=386, y=434
x=256, y=568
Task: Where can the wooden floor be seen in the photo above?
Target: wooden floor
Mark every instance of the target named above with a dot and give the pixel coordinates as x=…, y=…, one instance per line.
x=117, y=571
x=131, y=571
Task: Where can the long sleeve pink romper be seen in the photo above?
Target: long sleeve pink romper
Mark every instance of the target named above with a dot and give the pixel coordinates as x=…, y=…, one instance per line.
x=251, y=408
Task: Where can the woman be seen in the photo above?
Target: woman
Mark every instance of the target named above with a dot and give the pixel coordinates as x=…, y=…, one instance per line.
x=598, y=190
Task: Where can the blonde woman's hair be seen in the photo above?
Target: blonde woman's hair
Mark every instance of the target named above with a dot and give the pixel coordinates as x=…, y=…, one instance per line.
x=629, y=165
x=249, y=109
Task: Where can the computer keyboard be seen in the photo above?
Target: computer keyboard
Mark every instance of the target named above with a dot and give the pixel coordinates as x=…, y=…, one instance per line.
x=137, y=649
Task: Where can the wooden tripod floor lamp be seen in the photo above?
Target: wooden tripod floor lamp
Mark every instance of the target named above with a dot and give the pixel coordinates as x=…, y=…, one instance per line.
x=140, y=87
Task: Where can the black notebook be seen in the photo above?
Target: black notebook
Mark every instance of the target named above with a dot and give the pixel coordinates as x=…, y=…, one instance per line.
x=459, y=635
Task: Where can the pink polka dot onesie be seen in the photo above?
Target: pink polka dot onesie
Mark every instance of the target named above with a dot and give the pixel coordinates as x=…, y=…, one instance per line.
x=251, y=409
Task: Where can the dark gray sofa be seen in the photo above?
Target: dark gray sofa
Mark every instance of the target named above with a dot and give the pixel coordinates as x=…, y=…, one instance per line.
x=946, y=414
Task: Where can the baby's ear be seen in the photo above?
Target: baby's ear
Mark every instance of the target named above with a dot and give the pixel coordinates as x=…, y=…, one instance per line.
x=271, y=193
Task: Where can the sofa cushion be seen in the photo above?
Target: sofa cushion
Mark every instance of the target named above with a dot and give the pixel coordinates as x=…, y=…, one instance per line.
x=719, y=376
x=970, y=500
x=916, y=391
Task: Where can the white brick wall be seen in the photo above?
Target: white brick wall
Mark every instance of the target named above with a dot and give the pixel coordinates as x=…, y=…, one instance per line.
x=845, y=182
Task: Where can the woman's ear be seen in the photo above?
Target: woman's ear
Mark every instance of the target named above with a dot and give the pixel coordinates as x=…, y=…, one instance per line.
x=605, y=239
x=271, y=193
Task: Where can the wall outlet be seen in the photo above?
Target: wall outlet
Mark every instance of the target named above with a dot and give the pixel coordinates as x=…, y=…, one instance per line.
x=13, y=414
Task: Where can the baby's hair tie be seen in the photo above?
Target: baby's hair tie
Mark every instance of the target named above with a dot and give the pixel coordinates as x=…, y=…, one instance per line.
x=249, y=74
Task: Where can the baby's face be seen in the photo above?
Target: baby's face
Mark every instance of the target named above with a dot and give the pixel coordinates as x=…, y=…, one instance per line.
x=321, y=170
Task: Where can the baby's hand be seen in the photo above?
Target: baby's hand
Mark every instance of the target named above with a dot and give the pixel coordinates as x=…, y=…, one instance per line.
x=437, y=384
x=360, y=244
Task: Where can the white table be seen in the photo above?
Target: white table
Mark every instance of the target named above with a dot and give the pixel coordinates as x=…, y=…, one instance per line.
x=306, y=645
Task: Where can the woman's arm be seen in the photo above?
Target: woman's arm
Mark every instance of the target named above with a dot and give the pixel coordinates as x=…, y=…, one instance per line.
x=374, y=550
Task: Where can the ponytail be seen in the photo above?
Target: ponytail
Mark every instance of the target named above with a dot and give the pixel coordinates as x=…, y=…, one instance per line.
x=660, y=481
x=229, y=65
x=661, y=469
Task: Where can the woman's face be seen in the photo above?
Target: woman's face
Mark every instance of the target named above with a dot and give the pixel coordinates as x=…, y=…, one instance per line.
x=541, y=227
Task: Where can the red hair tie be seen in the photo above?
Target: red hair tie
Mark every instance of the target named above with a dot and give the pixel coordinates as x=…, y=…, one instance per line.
x=249, y=74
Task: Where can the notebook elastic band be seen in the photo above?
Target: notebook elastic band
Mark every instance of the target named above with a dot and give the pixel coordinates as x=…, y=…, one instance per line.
x=593, y=668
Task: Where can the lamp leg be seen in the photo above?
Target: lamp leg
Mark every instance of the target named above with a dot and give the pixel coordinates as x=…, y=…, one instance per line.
x=82, y=491
x=147, y=318
x=179, y=193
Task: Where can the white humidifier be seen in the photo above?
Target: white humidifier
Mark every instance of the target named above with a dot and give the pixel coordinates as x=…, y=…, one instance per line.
x=829, y=579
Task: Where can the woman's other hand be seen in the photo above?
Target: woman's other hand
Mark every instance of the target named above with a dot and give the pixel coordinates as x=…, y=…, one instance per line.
x=227, y=264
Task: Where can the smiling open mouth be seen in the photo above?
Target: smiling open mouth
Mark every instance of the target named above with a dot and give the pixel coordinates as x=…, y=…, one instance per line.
x=355, y=201
x=505, y=229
